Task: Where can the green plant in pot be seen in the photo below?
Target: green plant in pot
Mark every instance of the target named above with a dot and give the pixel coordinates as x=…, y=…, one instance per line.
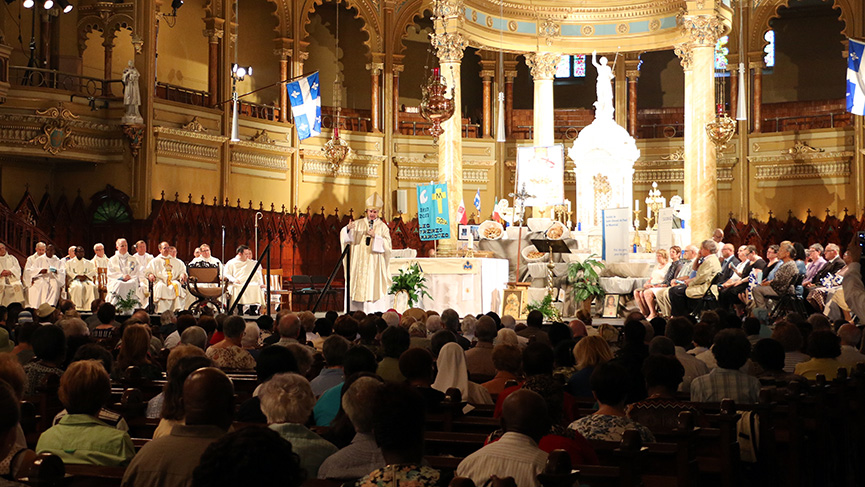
x=410, y=281
x=585, y=281
x=546, y=307
x=127, y=304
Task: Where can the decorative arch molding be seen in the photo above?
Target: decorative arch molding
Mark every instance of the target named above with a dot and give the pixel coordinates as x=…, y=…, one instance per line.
x=405, y=18
x=771, y=10
x=366, y=11
x=283, y=17
x=213, y=9
x=106, y=21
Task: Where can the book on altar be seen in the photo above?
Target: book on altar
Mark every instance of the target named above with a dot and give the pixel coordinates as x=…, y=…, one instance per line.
x=377, y=245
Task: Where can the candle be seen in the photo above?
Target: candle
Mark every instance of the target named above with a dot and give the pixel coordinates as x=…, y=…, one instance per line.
x=636, y=205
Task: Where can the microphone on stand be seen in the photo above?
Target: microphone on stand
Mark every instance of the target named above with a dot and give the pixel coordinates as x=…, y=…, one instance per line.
x=368, y=238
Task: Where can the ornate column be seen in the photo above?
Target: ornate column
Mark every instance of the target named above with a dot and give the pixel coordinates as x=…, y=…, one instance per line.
x=397, y=69
x=757, y=66
x=487, y=77
x=449, y=46
x=697, y=53
x=620, y=100
x=282, y=51
x=543, y=69
x=108, y=46
x=632, y=72
x=733, y=68
x=375, y=70
x=213, y=33
x=509, y=101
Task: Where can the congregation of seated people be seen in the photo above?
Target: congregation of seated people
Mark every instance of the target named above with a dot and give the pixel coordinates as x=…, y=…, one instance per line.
x=179, y=399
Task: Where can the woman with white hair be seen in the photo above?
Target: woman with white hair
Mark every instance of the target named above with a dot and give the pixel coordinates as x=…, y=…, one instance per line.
x=287, y=401
x=452, y=373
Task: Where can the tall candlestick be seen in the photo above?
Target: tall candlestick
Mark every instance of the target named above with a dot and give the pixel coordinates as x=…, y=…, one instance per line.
x=636, y=205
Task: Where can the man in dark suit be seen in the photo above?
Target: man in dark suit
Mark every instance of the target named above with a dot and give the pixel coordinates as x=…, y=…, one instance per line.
x=834, y=263
x=729, y=262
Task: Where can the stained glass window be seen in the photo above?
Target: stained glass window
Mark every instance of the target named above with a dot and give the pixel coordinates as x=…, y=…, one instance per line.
x=112, y=212
x=721, y=52
x=580, y=66
x=563, y=70
x=769, y=50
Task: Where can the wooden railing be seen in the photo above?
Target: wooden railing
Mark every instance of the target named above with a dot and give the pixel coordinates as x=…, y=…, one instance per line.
x=829, y=229
x=181, y=94
x=19, y=235
x=256, y=110
x=58, y=80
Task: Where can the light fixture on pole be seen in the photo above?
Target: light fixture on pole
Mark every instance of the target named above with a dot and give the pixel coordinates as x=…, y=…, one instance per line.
x=65, y=6
x=29, y=3
x=500, y=119
x=238, y=73
x=48, y=5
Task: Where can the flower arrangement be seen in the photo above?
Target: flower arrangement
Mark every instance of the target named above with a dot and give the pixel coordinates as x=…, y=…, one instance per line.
x=128, y=303
x=412, y=282
x=545, y=306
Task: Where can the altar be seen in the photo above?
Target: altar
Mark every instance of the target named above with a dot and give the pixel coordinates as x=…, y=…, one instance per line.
x=466, y=285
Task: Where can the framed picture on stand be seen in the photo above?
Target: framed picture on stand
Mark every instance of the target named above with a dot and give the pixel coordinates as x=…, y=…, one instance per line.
x=611, y=306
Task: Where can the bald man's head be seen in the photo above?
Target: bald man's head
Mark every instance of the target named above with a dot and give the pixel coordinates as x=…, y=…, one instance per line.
x=525, y=411
x=208, y=398
x=289, y=326
x=849, y=335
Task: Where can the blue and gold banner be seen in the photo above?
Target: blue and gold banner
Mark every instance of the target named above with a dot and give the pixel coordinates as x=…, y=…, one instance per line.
x=432, y=210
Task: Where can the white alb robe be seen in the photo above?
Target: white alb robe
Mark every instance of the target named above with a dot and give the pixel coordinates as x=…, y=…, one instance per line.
x=120, y=265
x=168, y=292
x=370, y=277
x=237, y=272
x=46, y=287
x=11, y=290
x=82, y=293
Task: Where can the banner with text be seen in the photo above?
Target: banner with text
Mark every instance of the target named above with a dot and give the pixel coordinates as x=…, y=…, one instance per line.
x=432, y=210
x=617, y=225
x=665, y=229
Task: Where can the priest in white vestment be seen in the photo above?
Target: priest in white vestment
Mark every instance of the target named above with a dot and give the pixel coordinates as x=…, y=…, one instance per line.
x=46, y=277
x=26, y=278
x=100, y=260
x=167, y=274
x=11, y=289
x=123, y=275
x=369, y=238
x=82, y=280
x=142, y=258
x=237, y=271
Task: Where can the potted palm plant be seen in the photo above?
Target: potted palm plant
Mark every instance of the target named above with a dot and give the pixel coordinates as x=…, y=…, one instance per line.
x=586, y=281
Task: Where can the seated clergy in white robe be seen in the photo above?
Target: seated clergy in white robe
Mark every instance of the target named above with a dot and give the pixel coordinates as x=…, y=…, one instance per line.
x=237, y=271
x=82, y=280
x=47, y=277
x=100, y=261
x=123, y=275
x=167, y=275
x=143, y=258
x=370, y=254
x=11, y=290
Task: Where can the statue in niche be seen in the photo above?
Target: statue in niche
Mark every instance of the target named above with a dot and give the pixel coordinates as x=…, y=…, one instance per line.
x=604, y=106
x=131, y=94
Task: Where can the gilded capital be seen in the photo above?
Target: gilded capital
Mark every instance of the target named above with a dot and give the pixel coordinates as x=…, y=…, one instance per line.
x=701, y=30
x=375, y=68
x=543, y=64
x=449, y=46
x=282, y=53
x=213, y=35
x=448, y=8
x=685, y=54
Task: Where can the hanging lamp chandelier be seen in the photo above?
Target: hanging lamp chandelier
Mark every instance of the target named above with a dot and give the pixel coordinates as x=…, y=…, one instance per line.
x=722, y=129
x=336, y=149
x=435, y=106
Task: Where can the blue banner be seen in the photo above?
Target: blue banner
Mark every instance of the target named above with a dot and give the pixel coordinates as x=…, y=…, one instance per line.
x=432, y=211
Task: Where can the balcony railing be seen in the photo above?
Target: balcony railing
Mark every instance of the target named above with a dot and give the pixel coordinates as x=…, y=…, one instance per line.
x=807, y=122
x=57, y=80
x=346, y=122
x=183, y=95
x=415, y=127
x=256, y=110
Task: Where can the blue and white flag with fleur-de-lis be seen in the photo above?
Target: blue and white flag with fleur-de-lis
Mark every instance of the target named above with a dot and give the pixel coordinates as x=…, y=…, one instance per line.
x=831, y=280
x=305, y=97
x=856, y=78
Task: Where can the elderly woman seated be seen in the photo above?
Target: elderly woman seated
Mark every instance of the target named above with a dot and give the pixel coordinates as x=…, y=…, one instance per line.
x=81, y=438
x=287, y=402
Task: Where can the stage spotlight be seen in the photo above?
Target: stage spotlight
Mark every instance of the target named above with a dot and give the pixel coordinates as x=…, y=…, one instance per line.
x=49, y=4
x=176, y=4
x=28, y=3
x=240, y=72
x=65, y=6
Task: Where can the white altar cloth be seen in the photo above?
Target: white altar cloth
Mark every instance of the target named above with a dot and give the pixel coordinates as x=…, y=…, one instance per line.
x=468, y=286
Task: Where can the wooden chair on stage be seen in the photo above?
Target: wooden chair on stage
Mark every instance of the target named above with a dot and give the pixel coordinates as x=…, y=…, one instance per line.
x=205, y=273
x=279, y=296
x=102, y=282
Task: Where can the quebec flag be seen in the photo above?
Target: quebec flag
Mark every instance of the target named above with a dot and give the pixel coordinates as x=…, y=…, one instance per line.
x=305, y=99
x=856, y=78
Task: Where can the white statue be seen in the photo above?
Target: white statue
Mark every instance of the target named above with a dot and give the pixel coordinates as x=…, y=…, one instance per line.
x=604, y=105
x=131, y=95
